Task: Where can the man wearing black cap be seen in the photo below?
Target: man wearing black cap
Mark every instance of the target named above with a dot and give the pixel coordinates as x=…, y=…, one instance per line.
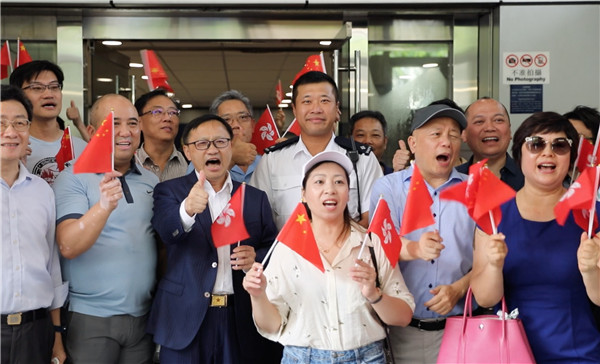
x=435, y=260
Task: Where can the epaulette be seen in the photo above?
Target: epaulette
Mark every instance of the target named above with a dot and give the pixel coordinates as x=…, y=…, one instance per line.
x=282, y=144
x=346, y=143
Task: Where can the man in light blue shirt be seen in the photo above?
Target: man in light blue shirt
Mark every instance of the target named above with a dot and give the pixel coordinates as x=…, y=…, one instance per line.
x=436, y=260
x=107, y=242
x=32, y=287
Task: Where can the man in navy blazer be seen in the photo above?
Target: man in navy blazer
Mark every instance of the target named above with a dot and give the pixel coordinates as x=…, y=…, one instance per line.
x=201, y=313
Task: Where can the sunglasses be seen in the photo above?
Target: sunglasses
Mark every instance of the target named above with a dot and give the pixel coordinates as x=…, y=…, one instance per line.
x=536, y=144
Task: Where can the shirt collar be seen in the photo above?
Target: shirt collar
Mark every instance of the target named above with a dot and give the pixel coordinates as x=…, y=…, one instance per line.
x=300, y=147
x=144, y=157
x=455, y=176
x=227, y=186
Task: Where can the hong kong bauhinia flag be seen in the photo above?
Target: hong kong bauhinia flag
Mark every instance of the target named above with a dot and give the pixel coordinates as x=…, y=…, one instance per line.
x=97, y=157
x=383, y=226
x=279, y=93
x=417, y=211
x=65, y=153
x=265, y=132
x=297, y=234
x=482, y=194
x=315, y=62
x=580, y=198
x=294, y=127
x=157, y=77
x=229, y=228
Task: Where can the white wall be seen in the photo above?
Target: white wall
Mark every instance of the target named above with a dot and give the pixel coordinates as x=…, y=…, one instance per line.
x=571, y=33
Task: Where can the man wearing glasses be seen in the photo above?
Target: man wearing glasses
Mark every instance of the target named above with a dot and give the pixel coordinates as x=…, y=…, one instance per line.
x=236, y=110
x=159, y=121
x=201, y=313
x=42, y=83
x=488, y=135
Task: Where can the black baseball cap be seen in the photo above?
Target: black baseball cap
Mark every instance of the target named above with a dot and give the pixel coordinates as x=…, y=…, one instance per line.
x=423, y=115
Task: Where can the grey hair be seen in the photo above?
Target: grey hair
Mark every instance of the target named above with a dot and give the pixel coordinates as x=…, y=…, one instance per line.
x=230, y=95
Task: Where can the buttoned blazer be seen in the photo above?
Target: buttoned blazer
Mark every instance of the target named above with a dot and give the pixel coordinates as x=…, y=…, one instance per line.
x=183, y=294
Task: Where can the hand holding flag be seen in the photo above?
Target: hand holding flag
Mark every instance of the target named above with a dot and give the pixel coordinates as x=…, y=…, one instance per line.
x=229, y=228
x=98, y=155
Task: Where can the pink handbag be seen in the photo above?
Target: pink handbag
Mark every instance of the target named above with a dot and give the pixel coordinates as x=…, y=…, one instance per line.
x=484, y=339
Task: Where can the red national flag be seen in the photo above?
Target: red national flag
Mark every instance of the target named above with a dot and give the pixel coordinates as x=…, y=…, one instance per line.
x=383, y=226
x=297, y=235
x=265, y=132
x=279, y=93
x=481, y=194
x=22, y=55
x=580, y=198
x=417, y=211
x=294, y=127
x=157, y=77
x=315, y=62
x=65, y=153
x=229, y=227
x=4, y=60
x=585, y=154
x=97, y=157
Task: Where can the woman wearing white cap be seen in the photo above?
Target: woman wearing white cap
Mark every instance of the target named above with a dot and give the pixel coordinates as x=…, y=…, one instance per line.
x=329, y=316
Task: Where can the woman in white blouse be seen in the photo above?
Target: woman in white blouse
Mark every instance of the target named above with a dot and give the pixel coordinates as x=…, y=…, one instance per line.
x=332, y=316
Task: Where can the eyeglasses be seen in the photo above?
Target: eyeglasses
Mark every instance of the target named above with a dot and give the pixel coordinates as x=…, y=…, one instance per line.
x=39, y=88
x=19, y=124
x=156, y=113
x=205, y=144
x=241, y=118
x=536, y=144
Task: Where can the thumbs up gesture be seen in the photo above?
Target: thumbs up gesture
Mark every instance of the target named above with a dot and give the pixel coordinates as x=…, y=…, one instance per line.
x=197, y=199
x=401, y=157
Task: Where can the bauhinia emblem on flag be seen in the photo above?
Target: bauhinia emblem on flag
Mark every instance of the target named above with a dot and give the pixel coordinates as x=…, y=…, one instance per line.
x=265, y=132
x=97, y=157
x=65, y=153
x=382, y=225
x=157, y=77
x=229, y=227
x=22, y=55
x=417, y=211
x=585, y=155
x=279, y=93
x=297, y=234
x=482, y=194
x=315, y=62
x=4, y=60
x=579, y=198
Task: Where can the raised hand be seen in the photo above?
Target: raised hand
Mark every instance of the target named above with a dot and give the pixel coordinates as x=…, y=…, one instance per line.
x=111, y=190
x=243, y=153
x=401, y=157
x=430, y=245
x=197, y=199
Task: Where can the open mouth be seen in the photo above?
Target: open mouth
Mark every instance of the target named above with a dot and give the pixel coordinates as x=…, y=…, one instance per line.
x=443, y=158
x=546, y=166
x=490, y=139
x=213, y=162
x=49, y=105
x=330, y=203
x=123, y=144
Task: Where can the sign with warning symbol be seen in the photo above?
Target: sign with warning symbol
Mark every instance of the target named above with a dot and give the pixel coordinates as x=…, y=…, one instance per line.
x=526, y=68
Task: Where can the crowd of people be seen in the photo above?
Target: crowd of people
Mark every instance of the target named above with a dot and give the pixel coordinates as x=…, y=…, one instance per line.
x=122, y=267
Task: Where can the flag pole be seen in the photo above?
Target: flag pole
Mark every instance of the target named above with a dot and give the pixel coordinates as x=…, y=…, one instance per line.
x=364, y=243
x=273, y=119
x=593, y=209
x=494, y=228
x=269, y=252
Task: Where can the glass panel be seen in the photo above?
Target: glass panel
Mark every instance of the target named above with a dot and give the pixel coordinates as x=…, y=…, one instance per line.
x=404, y=77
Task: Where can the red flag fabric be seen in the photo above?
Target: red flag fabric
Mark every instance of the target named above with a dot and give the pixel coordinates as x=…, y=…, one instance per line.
x=279, y=93
x=481, y=194
x=22, y=55
x=579, y=198
x=315, y=62
x=585, y=154
x=417, y=211
x=229, y=228
x=383, y=226
x=297, y=235
x=265, y=132
x=157, y=77
x=294, y=127
x=97, y=157
x=65, y=153
x=4, y=60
